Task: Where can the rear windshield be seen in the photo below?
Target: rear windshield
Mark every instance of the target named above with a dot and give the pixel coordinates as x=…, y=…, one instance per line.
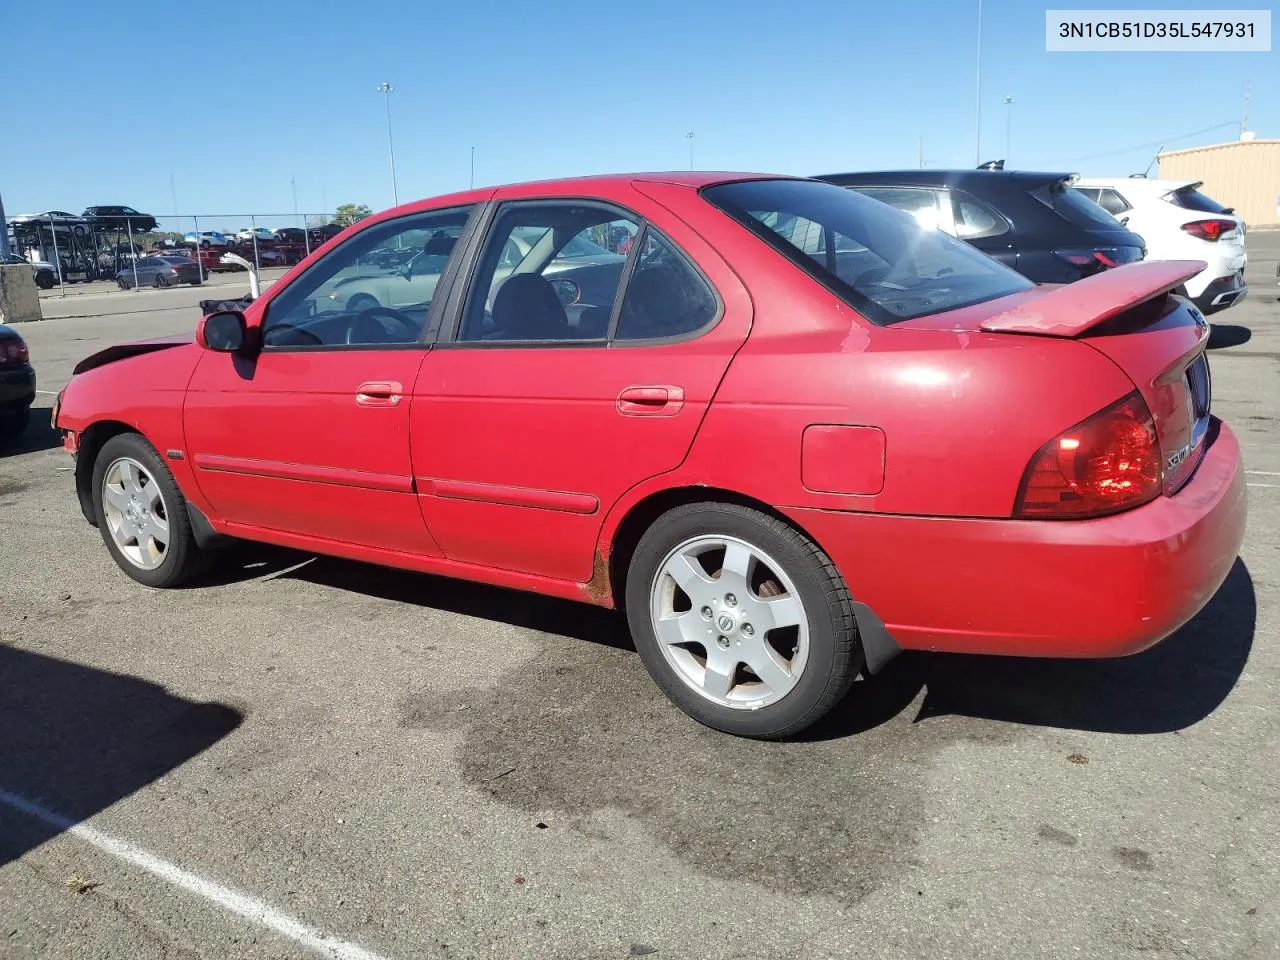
x=1192, y=199
x=1075, y=207
x=881, y=261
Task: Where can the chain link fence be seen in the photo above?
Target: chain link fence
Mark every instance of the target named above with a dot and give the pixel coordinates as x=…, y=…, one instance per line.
x=109, y=245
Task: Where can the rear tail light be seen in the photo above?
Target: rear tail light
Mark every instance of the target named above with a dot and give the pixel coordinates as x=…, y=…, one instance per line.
x=1093, y=259
x=1211, y=230
x=13, y=351
x=1108, y=463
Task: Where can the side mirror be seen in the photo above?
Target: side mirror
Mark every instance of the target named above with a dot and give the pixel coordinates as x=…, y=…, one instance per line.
x=223, y=332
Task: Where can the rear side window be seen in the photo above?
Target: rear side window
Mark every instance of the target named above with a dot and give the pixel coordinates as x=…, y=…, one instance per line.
x=876, y=258
x=921, y=202
x=665, y=296
x=975, y=220
x=1113, y=203
x=1192, y=199
x=1075, y=207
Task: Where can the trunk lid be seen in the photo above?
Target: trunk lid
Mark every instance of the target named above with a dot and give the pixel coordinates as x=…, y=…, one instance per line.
x=1127, y=315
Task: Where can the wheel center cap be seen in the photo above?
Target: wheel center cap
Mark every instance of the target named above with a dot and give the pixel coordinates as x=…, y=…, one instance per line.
x=726, y=623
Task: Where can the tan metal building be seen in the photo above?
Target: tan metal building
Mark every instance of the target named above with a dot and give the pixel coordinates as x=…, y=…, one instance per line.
x=1244, y=174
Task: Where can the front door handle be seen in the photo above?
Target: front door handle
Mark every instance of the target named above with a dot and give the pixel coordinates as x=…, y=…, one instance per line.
x=651, y=401
x=379, y=393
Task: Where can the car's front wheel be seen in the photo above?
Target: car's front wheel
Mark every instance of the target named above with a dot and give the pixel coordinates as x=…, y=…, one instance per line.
x=142, y=514
x=742, y=620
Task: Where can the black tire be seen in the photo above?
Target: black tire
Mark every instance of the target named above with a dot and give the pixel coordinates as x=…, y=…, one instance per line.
x=183, y=557
x=195, y=283
x=45, y=281
x=835, y=654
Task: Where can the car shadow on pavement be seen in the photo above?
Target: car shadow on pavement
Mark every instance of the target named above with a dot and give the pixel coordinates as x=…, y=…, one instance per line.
x=39, y=435
x=1228, y=335
x=74, y=740
x=1168, y=687
x=519, y=609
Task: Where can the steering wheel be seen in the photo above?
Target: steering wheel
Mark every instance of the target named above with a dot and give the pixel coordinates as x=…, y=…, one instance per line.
x=410, y=329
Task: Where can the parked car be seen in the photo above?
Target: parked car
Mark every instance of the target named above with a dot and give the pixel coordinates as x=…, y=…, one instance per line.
x=121, y=218
x=45, y=274
x=327, y=232
x=290, y=234
x=208, y=238
x=17, y=383
x=248, y=234
x=784, y=459
x=164, y=271
x=1178, y=222
x=1035, y=223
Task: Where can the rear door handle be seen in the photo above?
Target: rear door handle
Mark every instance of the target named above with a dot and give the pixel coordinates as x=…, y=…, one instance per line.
x=379, y=393
x=654, y=401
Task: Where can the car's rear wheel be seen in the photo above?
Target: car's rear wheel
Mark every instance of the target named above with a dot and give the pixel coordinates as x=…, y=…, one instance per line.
x=142, y=514
x=742, y=620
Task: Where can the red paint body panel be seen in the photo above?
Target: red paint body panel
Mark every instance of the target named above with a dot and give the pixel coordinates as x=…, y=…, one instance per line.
x=899, y=449
x=284, y=443
x=1070, y=588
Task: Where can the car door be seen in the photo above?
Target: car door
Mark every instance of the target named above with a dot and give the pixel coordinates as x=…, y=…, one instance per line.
x=561, y=382
x=311, y=436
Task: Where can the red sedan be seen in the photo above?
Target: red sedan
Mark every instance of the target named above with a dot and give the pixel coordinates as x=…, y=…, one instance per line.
x=789, y=432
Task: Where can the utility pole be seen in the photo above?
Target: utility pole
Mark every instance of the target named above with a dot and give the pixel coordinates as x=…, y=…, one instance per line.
x=1008, y=126
x=920, y=152
x=473, y=168
x=1244, y=116
x=689, y=137
x=385, y=89
x=977, y=115
x=4, y=233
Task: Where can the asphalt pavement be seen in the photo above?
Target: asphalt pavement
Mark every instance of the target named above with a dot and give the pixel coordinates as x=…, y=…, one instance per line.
x=305, y=756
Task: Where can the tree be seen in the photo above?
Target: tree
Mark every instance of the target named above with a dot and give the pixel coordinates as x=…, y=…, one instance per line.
x=349, y=213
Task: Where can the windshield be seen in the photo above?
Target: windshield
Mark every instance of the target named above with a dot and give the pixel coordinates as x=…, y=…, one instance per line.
x=878, y=259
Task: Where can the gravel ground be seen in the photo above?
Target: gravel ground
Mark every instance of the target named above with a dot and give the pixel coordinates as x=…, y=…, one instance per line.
x=414, y=767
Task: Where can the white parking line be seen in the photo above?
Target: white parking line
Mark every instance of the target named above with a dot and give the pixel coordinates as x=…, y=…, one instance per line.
x=233, y=901
x=1264, y=473
x=51, y=393
x=1272, y=485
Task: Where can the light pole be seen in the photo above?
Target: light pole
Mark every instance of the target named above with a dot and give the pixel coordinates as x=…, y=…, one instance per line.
x=1008, y=126
x=689, y=137
x=977, y=114
x=386, y=88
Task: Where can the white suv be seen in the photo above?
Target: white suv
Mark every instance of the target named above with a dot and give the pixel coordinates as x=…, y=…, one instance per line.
x=1178, y=222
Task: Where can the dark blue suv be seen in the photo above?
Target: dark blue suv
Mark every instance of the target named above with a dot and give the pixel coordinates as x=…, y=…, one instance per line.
x=1035, y=223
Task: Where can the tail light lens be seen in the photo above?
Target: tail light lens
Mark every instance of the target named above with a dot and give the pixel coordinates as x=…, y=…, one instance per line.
x=1211, y=230
x=1108, y=463
x=14, y=351
x=1093, y=259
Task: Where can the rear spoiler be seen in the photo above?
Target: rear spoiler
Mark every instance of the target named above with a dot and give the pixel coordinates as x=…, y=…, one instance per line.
x=1076, y=308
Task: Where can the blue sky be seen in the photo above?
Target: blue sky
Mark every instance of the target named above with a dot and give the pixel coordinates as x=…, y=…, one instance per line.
x=233, y=99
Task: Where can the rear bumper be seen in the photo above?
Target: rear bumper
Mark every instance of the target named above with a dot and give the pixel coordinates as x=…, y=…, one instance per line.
x=1074, y=588
x=17, y=387
x=1221, y=293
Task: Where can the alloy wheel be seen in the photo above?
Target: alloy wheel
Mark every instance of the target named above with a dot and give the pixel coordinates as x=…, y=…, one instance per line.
x=136, y=514
x=729, y=621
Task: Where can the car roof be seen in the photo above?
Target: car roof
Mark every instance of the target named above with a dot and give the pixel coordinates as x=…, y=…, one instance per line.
x=1153, y=183
x=1027, y=179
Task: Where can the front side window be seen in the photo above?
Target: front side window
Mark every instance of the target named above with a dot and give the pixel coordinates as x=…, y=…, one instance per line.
x=542, y=275
x=376, y=288
x=878, y=259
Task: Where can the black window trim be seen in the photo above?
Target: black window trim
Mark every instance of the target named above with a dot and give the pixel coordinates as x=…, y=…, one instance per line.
x=438, y=303
x=459, y=293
